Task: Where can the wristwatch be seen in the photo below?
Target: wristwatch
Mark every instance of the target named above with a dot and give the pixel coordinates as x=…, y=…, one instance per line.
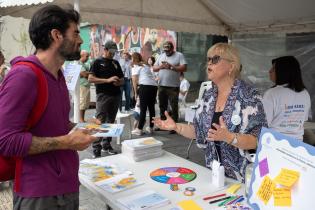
x=235, y=139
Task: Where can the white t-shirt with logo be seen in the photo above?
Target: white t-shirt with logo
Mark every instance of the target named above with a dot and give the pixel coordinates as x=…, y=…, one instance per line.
x=286, y=110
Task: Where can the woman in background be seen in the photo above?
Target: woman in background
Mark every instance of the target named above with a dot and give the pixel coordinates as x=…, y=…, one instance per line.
x=287, y=103
x=150, y=62
x=143, y=77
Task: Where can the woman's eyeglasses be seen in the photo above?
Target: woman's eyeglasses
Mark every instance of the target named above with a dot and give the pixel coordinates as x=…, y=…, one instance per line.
x=216, y=59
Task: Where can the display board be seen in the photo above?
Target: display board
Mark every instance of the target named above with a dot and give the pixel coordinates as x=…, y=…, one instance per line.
x=283, y=175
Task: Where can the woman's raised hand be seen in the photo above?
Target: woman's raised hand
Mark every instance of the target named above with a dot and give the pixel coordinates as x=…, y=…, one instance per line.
x=168, y=124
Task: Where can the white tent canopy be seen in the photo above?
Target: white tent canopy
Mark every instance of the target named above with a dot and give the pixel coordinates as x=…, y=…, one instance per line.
x=221, y=17
x=261, y=29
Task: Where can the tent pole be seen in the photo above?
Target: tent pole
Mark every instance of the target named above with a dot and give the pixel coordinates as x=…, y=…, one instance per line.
x=76, y=98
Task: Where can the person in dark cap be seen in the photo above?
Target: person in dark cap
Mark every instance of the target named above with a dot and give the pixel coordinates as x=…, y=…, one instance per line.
x=107, y=76
x=169, y=65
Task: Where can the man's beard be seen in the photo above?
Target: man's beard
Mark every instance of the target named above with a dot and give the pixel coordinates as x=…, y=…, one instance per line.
x=168, y=54
x=67, y=52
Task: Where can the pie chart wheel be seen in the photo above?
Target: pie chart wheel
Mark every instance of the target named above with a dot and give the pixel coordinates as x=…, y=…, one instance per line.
x=173, y=175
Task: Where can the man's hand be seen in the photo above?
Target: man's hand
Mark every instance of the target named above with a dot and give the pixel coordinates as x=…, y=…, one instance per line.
x=113, y=79
x=80, y=139
x=95, y=121
x=76, y=140
x=165, y=65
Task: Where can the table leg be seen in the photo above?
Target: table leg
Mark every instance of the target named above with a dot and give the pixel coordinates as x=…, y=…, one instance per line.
x=188, y=149
x=118, y=140
x=130, y=127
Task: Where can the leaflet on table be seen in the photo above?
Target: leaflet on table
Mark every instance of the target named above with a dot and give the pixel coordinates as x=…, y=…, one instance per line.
x=283, y=175
x=103, y=130
x=144, y=200
x=97, y=170
x=119, y=183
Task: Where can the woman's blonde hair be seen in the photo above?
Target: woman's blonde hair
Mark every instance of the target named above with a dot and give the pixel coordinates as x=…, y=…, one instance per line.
x=229, y=52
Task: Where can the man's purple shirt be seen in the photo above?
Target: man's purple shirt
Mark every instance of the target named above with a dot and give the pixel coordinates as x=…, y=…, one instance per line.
x=46, y=174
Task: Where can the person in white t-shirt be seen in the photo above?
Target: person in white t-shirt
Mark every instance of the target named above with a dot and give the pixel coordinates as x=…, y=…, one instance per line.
x=144, y=84
x=183, y=87
x=287, y=104
x=169, y=65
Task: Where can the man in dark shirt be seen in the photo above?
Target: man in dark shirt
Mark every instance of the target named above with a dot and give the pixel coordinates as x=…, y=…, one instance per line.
x=107, y=75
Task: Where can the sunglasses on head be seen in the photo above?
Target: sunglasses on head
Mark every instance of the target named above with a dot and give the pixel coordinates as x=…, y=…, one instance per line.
x=216, y=59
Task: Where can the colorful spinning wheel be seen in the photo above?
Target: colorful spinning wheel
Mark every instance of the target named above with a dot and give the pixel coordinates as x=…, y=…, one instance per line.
x=173, y=176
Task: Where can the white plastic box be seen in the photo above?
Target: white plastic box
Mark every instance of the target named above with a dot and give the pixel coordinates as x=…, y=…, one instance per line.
x=142, y=149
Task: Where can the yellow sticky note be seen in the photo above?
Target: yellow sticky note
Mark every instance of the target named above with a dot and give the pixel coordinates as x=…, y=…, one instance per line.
x=282, y=197
x=287, y=177
x=189, y=205
x=233, y=189
x=266, y=189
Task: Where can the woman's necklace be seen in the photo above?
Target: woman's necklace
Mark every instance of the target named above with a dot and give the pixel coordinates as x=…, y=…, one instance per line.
x=221, y=101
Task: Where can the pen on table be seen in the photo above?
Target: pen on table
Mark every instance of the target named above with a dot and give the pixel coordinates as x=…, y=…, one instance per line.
x=235, y=199
x=221, y=199
x=215, y=196
x=239, y=200
x=227, y=201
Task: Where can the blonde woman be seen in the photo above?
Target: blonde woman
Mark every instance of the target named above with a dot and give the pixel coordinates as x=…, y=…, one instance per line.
x=229, y=117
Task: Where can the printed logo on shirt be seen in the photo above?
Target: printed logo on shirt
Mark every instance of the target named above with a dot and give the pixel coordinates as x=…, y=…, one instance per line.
x=115, y=65
x=293, y=115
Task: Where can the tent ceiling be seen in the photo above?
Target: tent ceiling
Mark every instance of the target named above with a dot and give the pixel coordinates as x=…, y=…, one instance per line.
x=222, y=17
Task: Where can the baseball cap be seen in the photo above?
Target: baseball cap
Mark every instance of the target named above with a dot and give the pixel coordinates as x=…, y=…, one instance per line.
x=110, y=46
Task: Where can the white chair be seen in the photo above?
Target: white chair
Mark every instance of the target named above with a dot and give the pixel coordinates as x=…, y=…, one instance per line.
x=183, y=100
x=182, y=106
x=194, y=107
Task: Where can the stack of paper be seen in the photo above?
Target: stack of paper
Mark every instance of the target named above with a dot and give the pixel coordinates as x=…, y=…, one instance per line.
x=142, y=149
x=144, y=200
x=107, y=176
x=119, y=183
x=96, y=170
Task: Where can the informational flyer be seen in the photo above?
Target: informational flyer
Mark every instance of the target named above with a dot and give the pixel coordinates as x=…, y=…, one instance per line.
x=71, y=74
x=283, y=175
x=102, y=130
x=119, y=183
